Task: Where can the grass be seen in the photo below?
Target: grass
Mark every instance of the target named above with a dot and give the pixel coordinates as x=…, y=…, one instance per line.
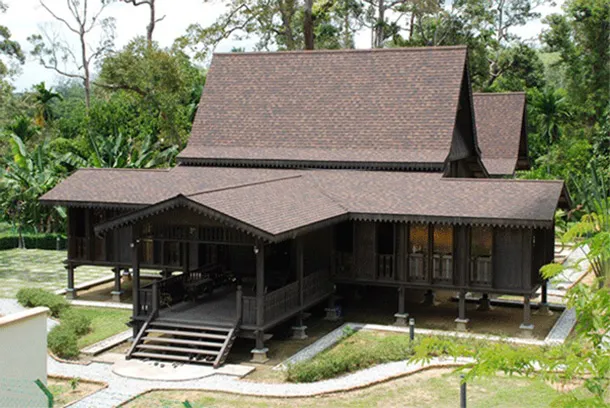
x=104, y=323
x=427, y=389
x=365, y=349
x=21, y=268
x=64, y=393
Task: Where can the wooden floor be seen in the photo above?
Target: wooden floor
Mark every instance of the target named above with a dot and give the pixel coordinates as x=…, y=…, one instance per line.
x=218, y=308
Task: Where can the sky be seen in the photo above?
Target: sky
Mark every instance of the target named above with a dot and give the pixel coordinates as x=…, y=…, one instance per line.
x=26, y=17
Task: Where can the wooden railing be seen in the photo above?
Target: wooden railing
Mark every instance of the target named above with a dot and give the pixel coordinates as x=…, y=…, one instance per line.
x=417, y=268
x=79, y=248
x=481, y=271
x=385, y=267
x=172, y=290
x=342, y=264
x=442, y=268
x=285, y=300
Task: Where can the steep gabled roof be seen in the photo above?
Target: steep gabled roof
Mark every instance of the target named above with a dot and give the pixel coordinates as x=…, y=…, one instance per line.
x=501, y=131
x=390, y=106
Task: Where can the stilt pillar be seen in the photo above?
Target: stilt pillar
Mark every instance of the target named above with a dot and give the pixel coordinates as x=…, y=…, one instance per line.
x=116, y=292
x=259, y=353
x=461, y=323
x=484, y=304
x=543, y=306
x=527, y=327
x=135, y=278
x=70, y=290
x=401, y=316
x=299, y=330
x=332, y=314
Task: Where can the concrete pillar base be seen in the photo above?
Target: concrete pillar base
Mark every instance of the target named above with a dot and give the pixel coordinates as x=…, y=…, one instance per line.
x=461, y=324
x=259, y=356
x=429, y=299
x=544, y=310
x=332, y=315
x=527, y=330
x=71, y=293
x=116, y=296
x=402, y=319
x=299, y=332
x=484, y=304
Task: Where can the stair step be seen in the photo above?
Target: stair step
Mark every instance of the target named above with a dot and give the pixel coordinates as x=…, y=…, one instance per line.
x=189, y=326
x=177, y=349
x=187, y=334
x=172, y=340
x=169, y=357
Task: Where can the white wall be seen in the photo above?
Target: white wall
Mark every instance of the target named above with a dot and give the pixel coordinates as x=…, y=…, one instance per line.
x=23, y=358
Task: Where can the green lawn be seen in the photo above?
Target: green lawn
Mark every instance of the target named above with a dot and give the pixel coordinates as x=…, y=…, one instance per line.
x=40, y=268
x=428, y=389
x=104, y=323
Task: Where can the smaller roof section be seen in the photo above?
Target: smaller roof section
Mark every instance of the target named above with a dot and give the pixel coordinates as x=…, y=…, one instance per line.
x=502, y=132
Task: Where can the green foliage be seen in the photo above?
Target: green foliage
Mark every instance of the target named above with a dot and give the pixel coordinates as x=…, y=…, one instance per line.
x=35, y=297
x=79, y=322
x=74, y=382
x=32, y=241
x=62, y=341
x=159, y=80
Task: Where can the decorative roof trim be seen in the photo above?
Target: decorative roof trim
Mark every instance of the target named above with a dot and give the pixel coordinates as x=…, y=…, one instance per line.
x=499, y=222
x=312, y=164
x=176, y=202
x=93, y=204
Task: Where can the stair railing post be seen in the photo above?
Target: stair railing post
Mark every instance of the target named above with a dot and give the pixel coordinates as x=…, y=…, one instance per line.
x=155, y=298
x=238, y=303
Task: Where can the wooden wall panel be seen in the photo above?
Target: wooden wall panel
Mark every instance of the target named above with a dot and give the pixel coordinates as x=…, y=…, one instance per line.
x=365, y=253
x=508, y=258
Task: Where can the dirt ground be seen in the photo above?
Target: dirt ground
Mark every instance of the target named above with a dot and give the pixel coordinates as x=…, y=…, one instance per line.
x=62, y=391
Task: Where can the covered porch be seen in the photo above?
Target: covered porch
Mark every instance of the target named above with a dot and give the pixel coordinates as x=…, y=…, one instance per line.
x=229, y=279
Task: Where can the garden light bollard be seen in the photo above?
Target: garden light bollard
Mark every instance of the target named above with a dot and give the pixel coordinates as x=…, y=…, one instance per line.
x=412, y=329
x=462, y=392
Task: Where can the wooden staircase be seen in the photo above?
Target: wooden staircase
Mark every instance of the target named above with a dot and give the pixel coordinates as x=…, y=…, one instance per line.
x=184, y=341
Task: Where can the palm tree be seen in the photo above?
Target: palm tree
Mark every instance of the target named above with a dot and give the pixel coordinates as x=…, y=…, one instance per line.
x=550, y=111
x=23, y=179
x=43, y=98
x=23, y=127
x=120, y=152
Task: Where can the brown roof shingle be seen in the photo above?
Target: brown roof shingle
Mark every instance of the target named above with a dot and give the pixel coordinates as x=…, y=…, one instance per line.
x=279, y=201
x=499, y=121
x=350, y=105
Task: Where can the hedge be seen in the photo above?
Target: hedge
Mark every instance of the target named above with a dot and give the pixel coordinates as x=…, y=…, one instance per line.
x=34, y=297
x=33, y=241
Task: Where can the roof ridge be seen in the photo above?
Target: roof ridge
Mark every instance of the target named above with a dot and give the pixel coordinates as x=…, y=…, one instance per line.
x=346, y=50
x=498, y=93
x=123, y=169
x=236, y=186
x=504, y=180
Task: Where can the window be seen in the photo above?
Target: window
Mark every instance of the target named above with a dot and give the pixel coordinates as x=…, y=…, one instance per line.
x=481, y=246
x=418, y=251
x=344, y=237
x=385, y=238
x=443, y=253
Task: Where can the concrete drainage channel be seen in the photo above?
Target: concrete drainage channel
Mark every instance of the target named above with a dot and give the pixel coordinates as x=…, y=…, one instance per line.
x=557, y=335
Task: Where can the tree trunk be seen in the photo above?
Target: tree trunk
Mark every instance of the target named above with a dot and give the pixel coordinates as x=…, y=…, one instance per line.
x=86, y=79
x=308, y=25
x=151, y=26
x=380, y=26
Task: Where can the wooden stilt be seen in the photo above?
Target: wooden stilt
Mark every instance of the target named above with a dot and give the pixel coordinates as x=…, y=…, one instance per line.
x=70, y=290
x=462, y=322
x=527, y=327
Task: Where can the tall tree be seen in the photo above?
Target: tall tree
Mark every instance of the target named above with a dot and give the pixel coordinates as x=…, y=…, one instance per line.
x=8, y=47
x=55, y=53
x=580, y=36
x=150, y=28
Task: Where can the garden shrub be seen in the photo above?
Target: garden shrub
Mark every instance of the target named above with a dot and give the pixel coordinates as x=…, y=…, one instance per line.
x=32, y=241
x=34, y=297
x=72, y=318
x=62, y=341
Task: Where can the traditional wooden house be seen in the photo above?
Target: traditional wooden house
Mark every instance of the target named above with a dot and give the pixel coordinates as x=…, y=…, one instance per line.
x=307, y=170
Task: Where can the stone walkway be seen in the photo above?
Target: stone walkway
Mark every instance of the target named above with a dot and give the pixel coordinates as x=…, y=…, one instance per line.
x=38, y=268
